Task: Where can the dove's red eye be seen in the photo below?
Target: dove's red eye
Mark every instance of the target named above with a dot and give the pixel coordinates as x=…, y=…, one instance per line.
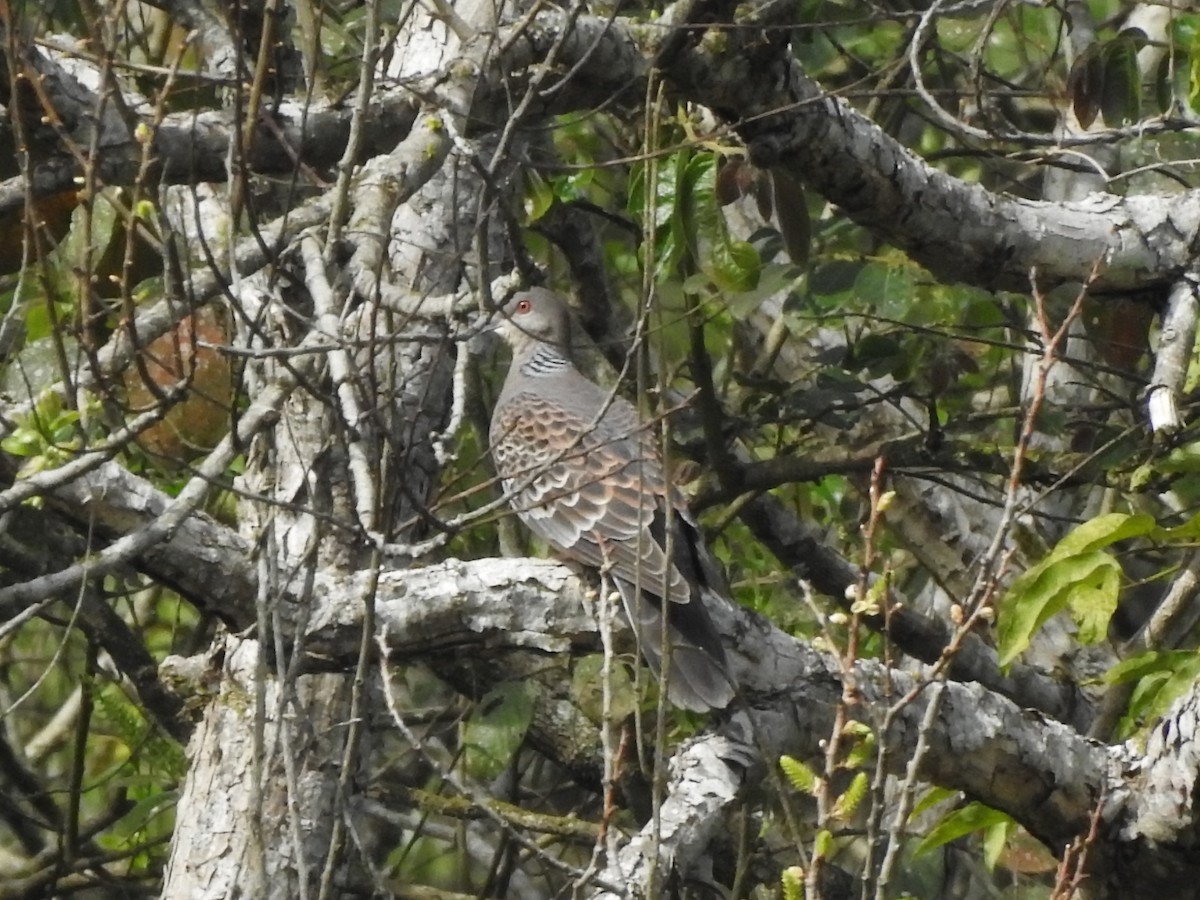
x=524, y=306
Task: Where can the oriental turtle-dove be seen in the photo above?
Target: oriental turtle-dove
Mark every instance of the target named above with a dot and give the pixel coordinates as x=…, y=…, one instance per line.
x=582, y=469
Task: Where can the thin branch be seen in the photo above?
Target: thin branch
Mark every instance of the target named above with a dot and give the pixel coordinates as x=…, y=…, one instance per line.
x=1176, y=343
x=329, y=325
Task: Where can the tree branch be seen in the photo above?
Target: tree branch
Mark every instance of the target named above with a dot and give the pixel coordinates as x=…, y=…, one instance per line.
x=1176, y=342
x=961, y=232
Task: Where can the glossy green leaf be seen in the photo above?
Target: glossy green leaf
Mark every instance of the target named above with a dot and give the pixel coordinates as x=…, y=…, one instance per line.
x=734, y=266
x=697, y=214
x=963, y=821
x=656, y=201
x=1120, y=97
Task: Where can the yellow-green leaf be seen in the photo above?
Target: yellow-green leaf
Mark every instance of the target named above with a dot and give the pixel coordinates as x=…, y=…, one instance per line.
x=539, y=196
x=852, y=796
x=1103, y=531
x=793, y=883
x=1076, y=573
x=801, y=777
x=995, y=837
x=963, y=821
x=1091, y=578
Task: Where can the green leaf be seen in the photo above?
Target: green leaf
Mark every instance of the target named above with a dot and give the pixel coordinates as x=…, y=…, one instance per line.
x=1172, y=77
x=793, y=883
x=798, y=774
x=1103, y=531
x=1185, y=30
x=1160, y=678
x=1184, y=459
x=1121, y=98
x=1048, y=588
x=879, y=354
x=691, y=233
x=862, y=747
x=1078, y=573
x=834, y=277
x=932, y=798
x=982, y=311
x=539, y=196
x=696, y=218
x=93, y=227
x=1148, y=663
x=496, y=728
x=1178, y=683
x=822, y=843
x=995, y=838
x=587, y=687
x=886, y=289
x=850, y=799
x=1094, y=602
x=1188, y=532
x=23, y=442
x=1084, y=85
x=791, y=211
x=734, y=266
x=685, y=211
x=963, y=821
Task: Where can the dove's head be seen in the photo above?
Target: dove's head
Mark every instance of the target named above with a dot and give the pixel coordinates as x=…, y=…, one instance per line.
x=536, y=316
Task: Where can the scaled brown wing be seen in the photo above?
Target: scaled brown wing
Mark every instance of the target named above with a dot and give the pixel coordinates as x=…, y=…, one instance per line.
x=594, y=492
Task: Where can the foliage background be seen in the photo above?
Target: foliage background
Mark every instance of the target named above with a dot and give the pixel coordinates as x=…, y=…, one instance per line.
x=974, y=444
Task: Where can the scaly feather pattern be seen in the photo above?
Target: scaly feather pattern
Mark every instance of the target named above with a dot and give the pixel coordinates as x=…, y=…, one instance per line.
x=584, y=473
